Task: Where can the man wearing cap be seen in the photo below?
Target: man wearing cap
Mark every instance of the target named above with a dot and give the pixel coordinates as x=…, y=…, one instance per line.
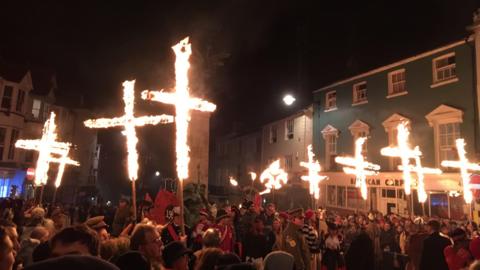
x=175, y=256
x=293, y=241
x=173, y=231
x=123, y=216
x=224, y=226
x=199, y=229
x=98, y=224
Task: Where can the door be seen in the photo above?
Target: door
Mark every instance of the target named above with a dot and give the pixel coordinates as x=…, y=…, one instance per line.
x=391, y=208
x=373, y=199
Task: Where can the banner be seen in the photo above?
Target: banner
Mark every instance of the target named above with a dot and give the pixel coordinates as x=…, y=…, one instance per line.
x=163, y=199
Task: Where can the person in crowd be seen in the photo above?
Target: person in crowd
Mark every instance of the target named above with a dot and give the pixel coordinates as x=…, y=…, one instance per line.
x=246, y=221
x=73, y=262
x=224, y=227
x=332, y=257
x=401, y=238
x=210, y=239
x=200, y=228
x=209, y=259
x=433, y=247
x=133, y=260
x=78, y=239
x=59, y=219
x=269, y=215
x=27, y=246
x=415, y=244
x=293, y=241
x=175, y=256
x=279, y=260
x=256, y=242
x=458, y=255
x=227, y=259
x=311, y=235
x=373, y=231
x=99, y=226
x=277, y=230
x=388, y=245
x=360, y=254
x=123, y=216
x=146, y=239
x=36, y=217
x=7, y=252
x=173, y=231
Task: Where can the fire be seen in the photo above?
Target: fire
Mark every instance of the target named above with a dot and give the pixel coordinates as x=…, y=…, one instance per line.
x=313, y=177
x=273, y=177
x=129, y=122
x=405, y=153
x=233, y=182
x=253, y=176
x=49, y=151
x=183, y=104
x=464, y=165
x=361, y=168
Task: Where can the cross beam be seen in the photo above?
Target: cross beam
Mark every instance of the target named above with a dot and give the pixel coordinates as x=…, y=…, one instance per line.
x=313, y=177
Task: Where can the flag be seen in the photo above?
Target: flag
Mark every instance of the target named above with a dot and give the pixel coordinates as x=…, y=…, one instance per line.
x=163, y=199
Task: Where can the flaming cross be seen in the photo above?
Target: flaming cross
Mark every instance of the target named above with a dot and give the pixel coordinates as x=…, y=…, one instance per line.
x=49, y=151
x=183, y=104
x=464, y=165
x=274, y=176
x=361, y=168
x=405, y=153
x=313, y=176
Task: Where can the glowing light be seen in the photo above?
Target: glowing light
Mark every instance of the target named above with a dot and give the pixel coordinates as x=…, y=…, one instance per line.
x=183, y=104
x=313, y=176
x=273, y=177
x=157, y=173
x=49, y=151
x=253, y=176
x=406, y=153
x=464, y=165
x=361, y=168
x=129, y=122
x=233, y=182
x=288, y=100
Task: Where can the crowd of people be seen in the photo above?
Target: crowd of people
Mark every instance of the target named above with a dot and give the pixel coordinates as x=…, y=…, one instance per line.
x=246, y=237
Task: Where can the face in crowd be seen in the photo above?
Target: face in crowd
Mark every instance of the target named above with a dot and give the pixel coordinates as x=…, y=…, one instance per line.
x=7, y=251
x=298, y=220
x=152, y=247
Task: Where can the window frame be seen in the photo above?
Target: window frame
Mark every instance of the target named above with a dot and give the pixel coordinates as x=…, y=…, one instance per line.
x=328, y=99
x=11, y=146
x=435, y=80
x=289, y=134
x=2, y=143
x=355, y=88
x=271, y=138
x=391, y=74
x=10, y=99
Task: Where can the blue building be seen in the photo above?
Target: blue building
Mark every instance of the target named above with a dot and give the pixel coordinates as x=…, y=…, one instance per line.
x=436, y=93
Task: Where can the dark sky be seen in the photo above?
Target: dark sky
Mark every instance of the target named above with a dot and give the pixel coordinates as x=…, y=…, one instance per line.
x=247, y=53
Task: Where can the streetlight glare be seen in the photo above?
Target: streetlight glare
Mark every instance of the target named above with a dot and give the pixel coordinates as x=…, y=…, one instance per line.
x=157, y=173
x=288, y=100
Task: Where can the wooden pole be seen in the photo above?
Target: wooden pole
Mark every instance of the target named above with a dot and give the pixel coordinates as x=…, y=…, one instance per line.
x=40, y=200
x=180, y=198
x=54, y=196
x=134, y=201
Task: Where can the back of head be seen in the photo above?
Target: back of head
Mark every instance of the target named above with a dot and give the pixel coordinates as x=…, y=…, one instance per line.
x=434, y=225
x=72, y=262
x=139, y=235
x=77, y=234
x=279, y=260
x=39, y=233
x=133, y=260
x=209, y=259
x=241, y=266
x=227, y=259
x=211, y=238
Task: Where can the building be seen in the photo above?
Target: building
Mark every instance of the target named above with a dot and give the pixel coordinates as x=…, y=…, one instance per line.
x=436, y=93
x=26, y=102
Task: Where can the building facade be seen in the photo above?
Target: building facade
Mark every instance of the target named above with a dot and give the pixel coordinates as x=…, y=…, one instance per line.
x=436, y=94
x=25, y=105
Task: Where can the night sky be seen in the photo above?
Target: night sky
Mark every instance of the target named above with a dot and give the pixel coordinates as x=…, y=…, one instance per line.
x=247, y=54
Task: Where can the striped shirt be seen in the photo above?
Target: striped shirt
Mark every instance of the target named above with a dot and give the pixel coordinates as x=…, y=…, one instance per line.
x=312, y=238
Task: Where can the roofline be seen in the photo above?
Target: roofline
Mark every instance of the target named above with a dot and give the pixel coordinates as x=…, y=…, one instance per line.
x=297, y=113
x=395, y=64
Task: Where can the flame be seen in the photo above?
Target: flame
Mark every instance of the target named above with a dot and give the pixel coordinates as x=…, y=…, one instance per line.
x=274, y=176
x=49, y=151
x=464, y=165
x=361, y=168
x=405, y=153
x=233, y=182
x=313, y=177
x=253, y=176
x=129, y=122
x=183, y=104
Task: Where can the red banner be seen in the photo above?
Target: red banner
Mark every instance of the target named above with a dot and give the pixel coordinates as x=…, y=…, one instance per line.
x=162, y=201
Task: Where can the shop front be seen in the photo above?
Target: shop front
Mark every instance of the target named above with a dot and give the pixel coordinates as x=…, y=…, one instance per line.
x=386, y=194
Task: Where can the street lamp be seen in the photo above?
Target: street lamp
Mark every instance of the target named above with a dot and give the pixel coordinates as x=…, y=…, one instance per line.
x=157, y=173
x=288, y=100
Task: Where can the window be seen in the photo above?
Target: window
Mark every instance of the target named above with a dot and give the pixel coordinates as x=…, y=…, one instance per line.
x=3, y=132
x=37, y=105
x=330, y=100
x=341, y=196
x=289, y=127
x=273, y=134
x=360, y=93
x=388, y=193
x=396, y=82
x=11, y=148
x=390, y=125
x=447, y=134
x=360, y=129
x=354, y=198
x=288, y=162
x=361, y=134
x=330, y=135
x=7, y=97
x=444, y=68
x=331, y=192
x=20, y=100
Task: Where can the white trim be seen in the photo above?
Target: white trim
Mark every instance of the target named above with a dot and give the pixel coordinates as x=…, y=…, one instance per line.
x=397, y=94
x=440, y=83
x=359, y=126
x=328, y=108
x=331, y=109
x=329, y=130
x=393, y=120
x=393, y=65
x=390, y=81
x=354, y=94
x=360, y=103
x=435, y=81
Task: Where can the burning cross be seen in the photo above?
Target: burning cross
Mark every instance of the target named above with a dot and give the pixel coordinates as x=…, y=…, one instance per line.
x=464, y=165
x=361, y=168
x=313, y=177
x=405, y=153
x=274, y=177
x=183, y=104
x=129, y=122
x=49, y=151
